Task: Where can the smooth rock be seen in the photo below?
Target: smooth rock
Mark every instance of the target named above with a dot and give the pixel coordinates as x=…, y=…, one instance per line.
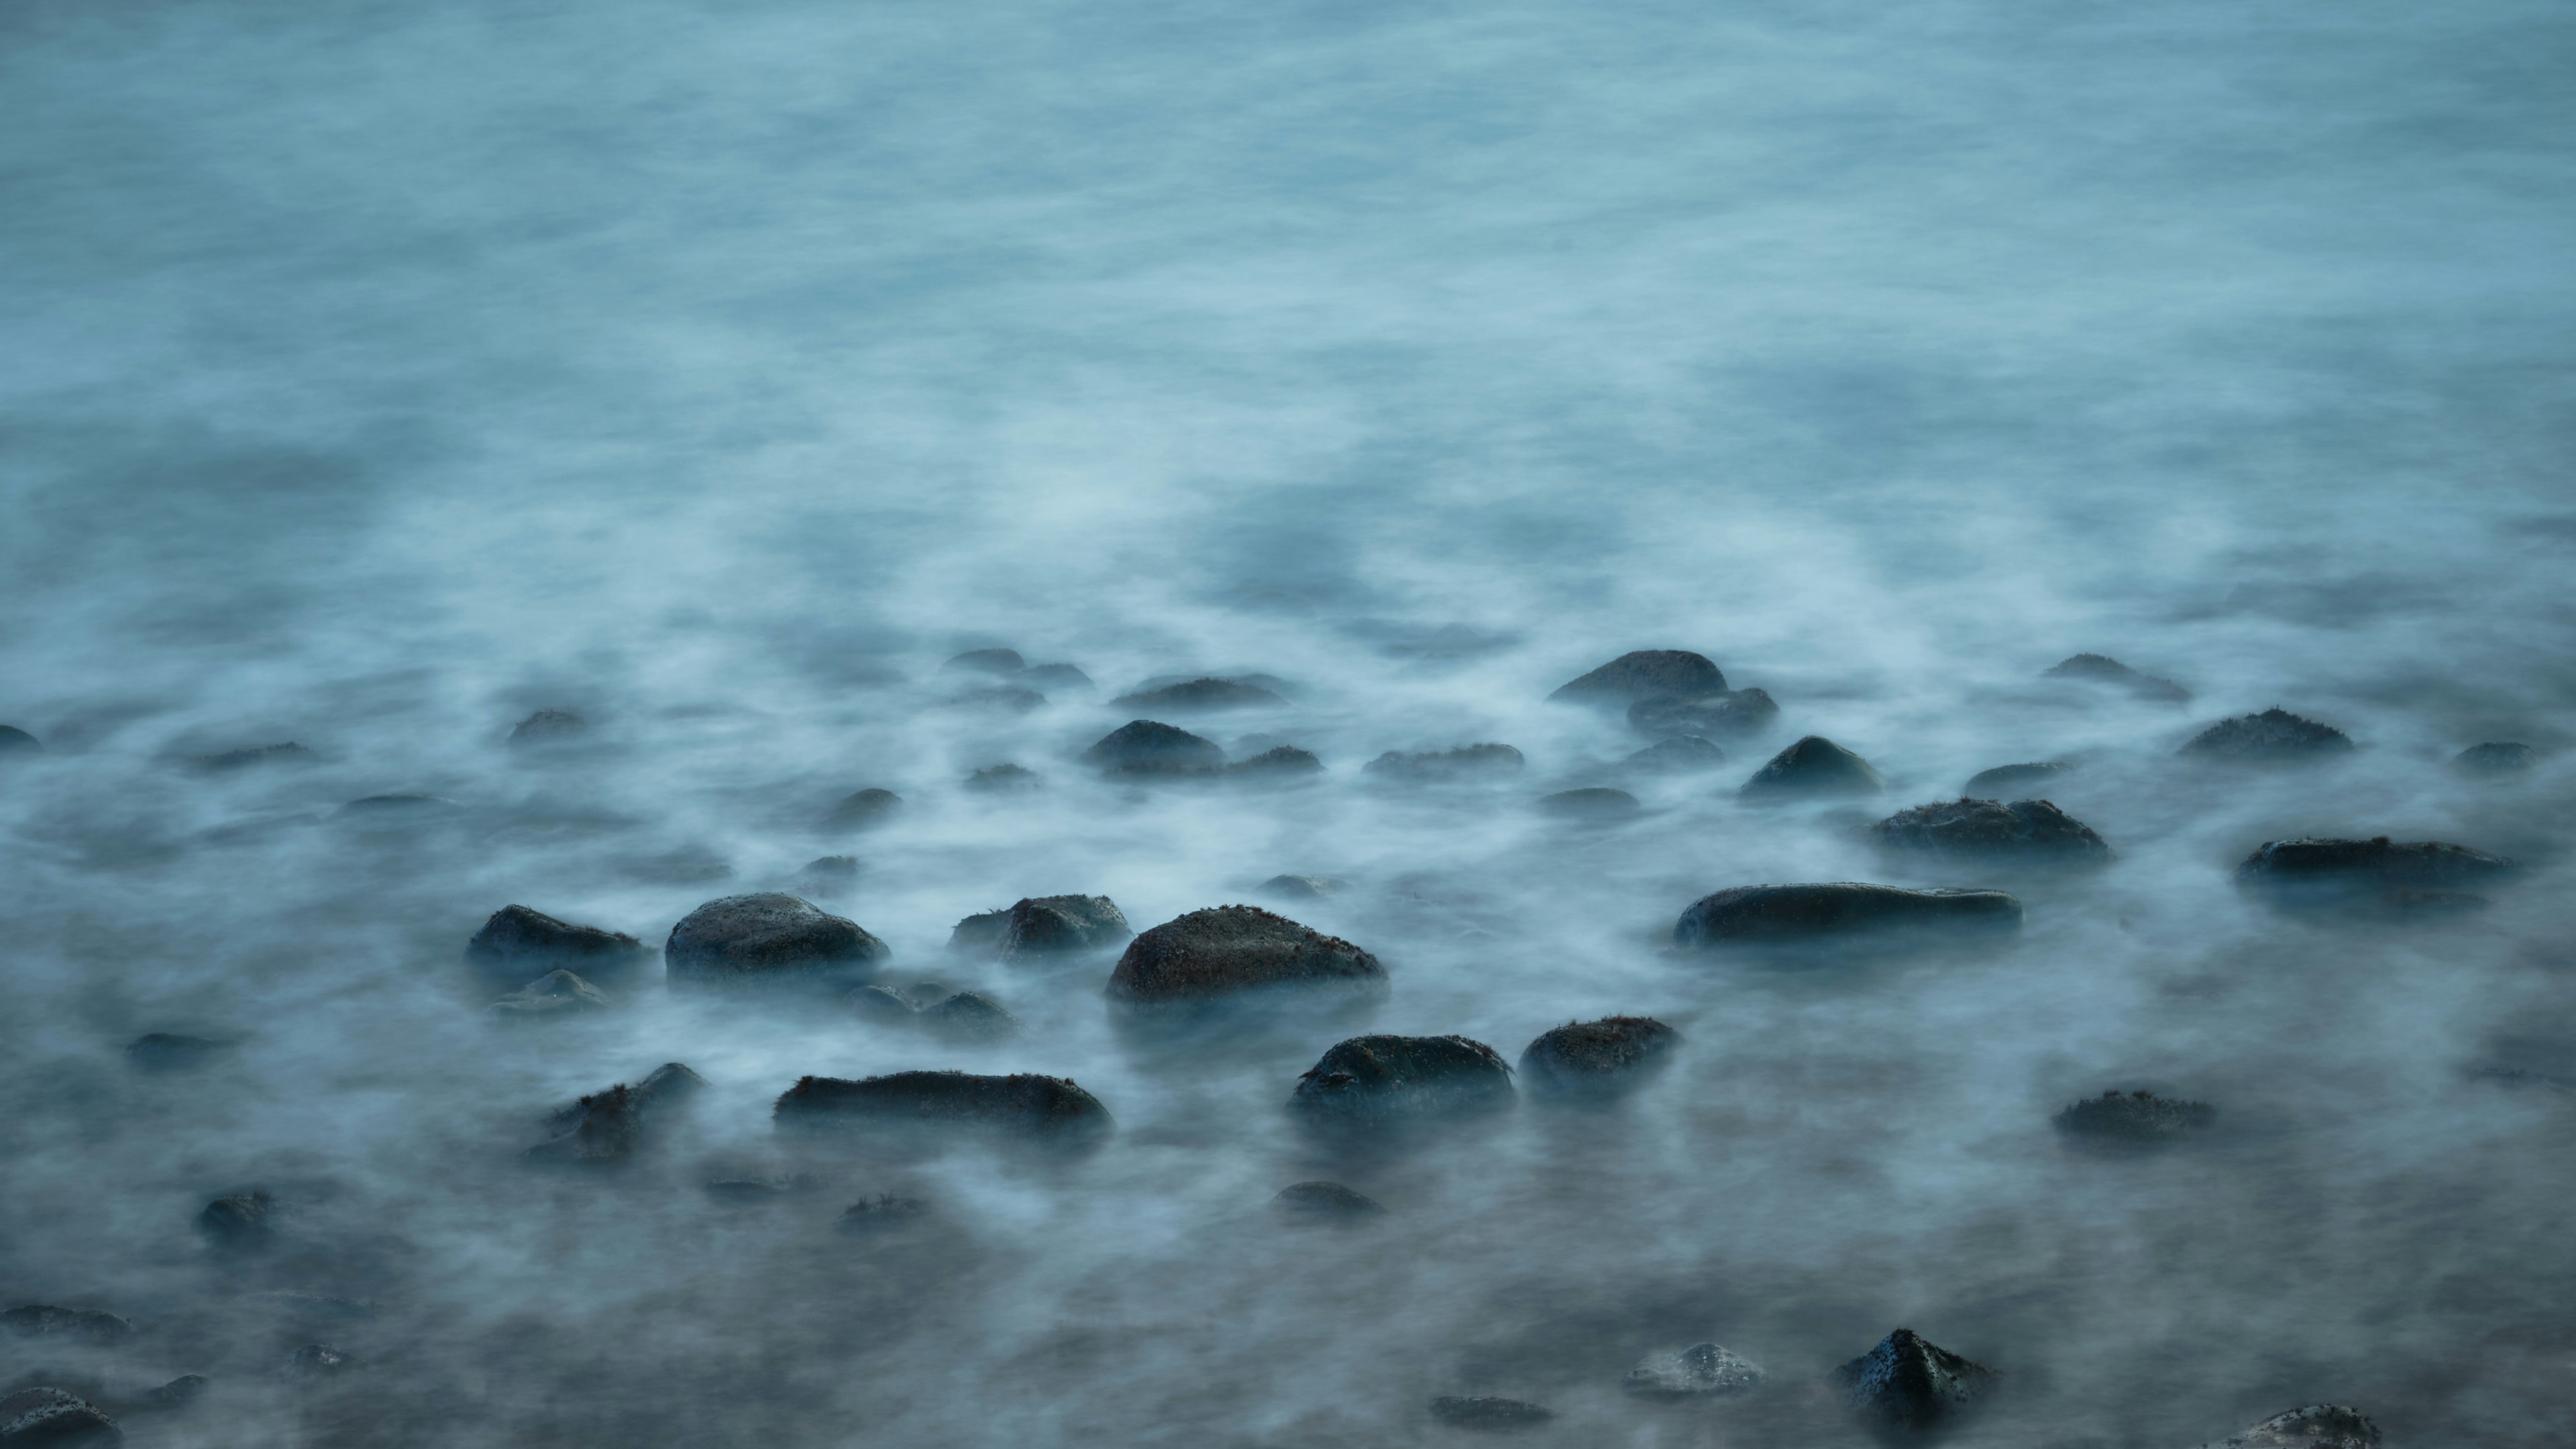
x=2103, y=669
x=1680, y=755
x=1645, y=674
x=519, y=944
x=549, y=726
x=1027, y=1107
x=240, y=1222
x=2135, y=1117
x=1144, y=747
x=829, y=875
x=969, y=1016
x=1200, y=694
x=162, y=1051
x=764, y=940
x=2027, y=830
x=1486, y=1414
x=2496, y=757
x=1382, y=1081
x=1227, y=950
x=883, y=1005
x=93, y=1326
x=1466, y=762
x=1319, y=1201
x=864, y=809
x=2004, y=779
x=2314, y=1426
x=1597, y=1059
x=553, y=996
x=1737, y=712
x=51, y=1416
x=1814, y=766
x=1784, y=914
x=1909, y=1384
x=1592, y=803
x=2318, y=871
x=1701, y=1370
x=1060, y=925
x=2272, y=737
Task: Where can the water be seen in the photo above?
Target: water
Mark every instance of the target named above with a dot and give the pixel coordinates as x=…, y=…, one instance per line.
x=378, y=376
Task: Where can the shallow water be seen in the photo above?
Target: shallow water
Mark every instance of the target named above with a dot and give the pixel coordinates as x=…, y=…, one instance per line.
x=381, y=375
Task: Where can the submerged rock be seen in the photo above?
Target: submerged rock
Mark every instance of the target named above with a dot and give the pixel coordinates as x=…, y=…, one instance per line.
x=1026, y=1107
x=316, y=1363
x=1786, y=914
x=980, y=932
x=1680, y=755
x=1227, y=950
x=1144, y=747
x=2313, y=871
x=969, y=1016
x=1594, y=803
x=883, y=1005
x=1299, y=887
x=1703, y=1369
x=2272, y=737
x=1057, y=676
x=1645, y=674
x=883, y=1213
x=766, y=939
x=2496, y=757
x=1003, y=662
x=1004, y=697
x=1598, y=1059
x=518, y=944
x=2032, y=830
x=555, y=995
x=2000, y=780
x=1319, y=1201
x=177, y=1394
x=1909, y=1384
x=1737, y=712
x=2141, y=1117
x=93, y=1326
x=1058, y=926
x=1200, y=694
x=51, y=1416
x=16, y=743
x=2314, y=1426
x=994, y=779
x=2103, y=669
x=1487, y=1414
x=163, y=1051
x=864, y=809
x=1279, y=762
x=829, y=875
x=289, y=753
x=239, y=1222
x=609, y=1127
x=1814, y=766
x=1380, y=1081
x=1463, y=763
x=549, y=726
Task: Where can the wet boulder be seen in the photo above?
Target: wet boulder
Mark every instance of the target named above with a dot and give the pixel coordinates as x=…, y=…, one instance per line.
x=1598, y=1060
x=864, y=809
x=1645, y=674
x=94, y=1327
x=980, y=932
x=239, y=1222
x=1736, y=712
x=938, y=1105
x=1142, y=747
x=51, y=1416
x=969, y=1016
x=177, y=1394
x=884, y=1213
x=1487, y=1414
x=2141, y=1118
x=1001, y=663
x=1063, y=677
x=1228, y=950
x=555, y=996
x=548, y=727
x=883, y=1005
x=1324, y=1202
x=1703, y=1370
x=2400, y=873
x=16, y=743
x=169, y=1052
x=767, y=940
x=1002, y=779
x=1466, y=762
x=1790, y=914
x=828, y=875
x=2313, y=1426
x=1299, y=887
x=1814, y=766
x=1200, y=695
x=2275, y=736
x=1279, y=762
x=610, y=1127
x=1910, y=1385
x=1388, y=1081
x=2496, y=757
x=1593, y=804
x=1060, y=926
x=1680, y=755
x=519, y=944
x=2025, y=830
x=2004, y=779
x=2102, y=669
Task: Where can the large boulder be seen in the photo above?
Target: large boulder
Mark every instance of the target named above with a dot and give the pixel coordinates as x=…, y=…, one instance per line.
x=1020, y=1107
x=2314, y=1426
x=1383, y=1081
x=2006, y=779
x=1703, y=1370
x=1814, y=766
x=1909, y=1384
x=1199, y=695
x=1645, y=674
x=2495, y=757
x=2025, y=830
x=1145, y=747
x=1228, y=950
x=1061, y=926
x=2275, y=736
x=1598, y=1060
x=1466, y=762
x=53, y=1417
x=2103, y=669
x=1736, y=712
x=93, y=1326
x=2141, y=1118
x=2326, y=872
x=765, y=940
x=519, y=944
x=1766, y=915
x=864, y=809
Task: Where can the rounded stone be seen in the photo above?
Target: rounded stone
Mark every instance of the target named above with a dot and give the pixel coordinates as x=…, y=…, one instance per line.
x=766, y=939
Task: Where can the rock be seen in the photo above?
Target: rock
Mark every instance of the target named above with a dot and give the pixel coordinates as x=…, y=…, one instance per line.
x=395, y=809
x=556, y=995
x=1645, y=674
x=864, y=810
x=2027, y=830
x=829, y=875
x=1025, y=1107
x=985, y=661
x=1380, y=1081
x=241, y=1222
x=1703, y=1369
x=969, y=1016
x=549, y=726
x=2140, y=1117
x=1598, y=1059
x=1313, y=1202
x=2003, y=779
x=1143, y=747
x=993, y=779
x=316, y=1363
x=289, y=753
x=1278, y=762
x=1299, y=887
x=162, y=1051
x=1488, y=1415
x=767, y=939
x=1594, y=803
x=518, y=944
x=883, y=1005
x=1002, y=698
x=1200, y=694
x=1463, y=763
x=1738, y=712
x=981, y=931
x=1062, y=677
x=1680, y=755
x=1908, y=1383
x=1228, y=950
x=2103, y=669
x=2496, y=757
x=606, y=1128
x=759, y=1191
x=1814, y=766
x=2272, y=737
x=1060, y=925
x=883, y=1213
x=16, y=743
x=49, y=1416
x=93, y=1326
x=2327, y=872
x=2316, y=1426
x=1785, y=914
x=177, y=1394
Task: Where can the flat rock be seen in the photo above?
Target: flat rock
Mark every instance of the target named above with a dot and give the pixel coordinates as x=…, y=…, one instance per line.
x=1001, y=662
x=2496, y=757
x=2103, y=669
x=1910, y=1384
x=1645, y=674
x=1701, y=1370
x=1486, y=1414
x=549, y=726
x=1597, y=1059
x=1199, y=695
x=1786, y=914
x=2320, y=871
x=163, y=1051
x=15, y=743
x=1814, y=766
x=556, y=995
x=1680, y=755
x=51, y=1416
x=767, y=939
x=256, y=756
x=2033, y=830
x=1148, y=748
x=1376, y=1081
x=2275, y=736
x=519, y=944
x=1059, y=926
x=2136, y=1117
x=1736, y=712
x=1324, y=1202
x=1002, y=779
x=610, y=1127
x=2314, y=1426
x=1590, y=803
x=2003, y=779
x=1466, y=762
x=1226, y=950
x=93, y=1326
x=864, y=809
x=1035, y=1108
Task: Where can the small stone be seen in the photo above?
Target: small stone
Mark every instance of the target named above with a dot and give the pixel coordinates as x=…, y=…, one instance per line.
x=2275, y=736
x=1381, y=1081
x=242, y=1222
x=1004, y=778
x=969, y=1016
x=2028, y=830
x=1703, y=1369
x=881, y=1004
x=1597, y=1059
x=1299, y=887
x=981, y=932
x=1466, y=762
x=607, y=1128
x=1279, y=762
x=2004, y=779
x=883, y=1213
x=765, y=940
x=2103, y=669
x=2315, y=1426
x=748, y=1192
x=1060, y=925
x=864, y=809
x=1489, y=1415
x=1594, y=803
x=177, y=1394
x=2496, y=757
x=2135, y=1117
x=1680, y=755
x=1144, y=747
x=1814, y=766
x=1003, y=662
x=1324, y=1202
x=1738, y=712
x=93, y=1326
x=1910, y=1384
x=1063, y=678
x=1645, y=674
x=549, y=726
x=829, y=875
x=1200, y=694
x=162, y=1051
x=555, y=995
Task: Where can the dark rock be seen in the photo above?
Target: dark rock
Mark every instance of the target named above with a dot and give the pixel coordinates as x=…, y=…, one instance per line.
x=610, y=1127
x=1323, y=1202
x=15, y=742
x=242, y=1222
x=864, y=810
x=1645, y=674
x=2103, y=669
x=1739, y=712
x=981, y=932
x=557, y=995
x=1278, y=762
x=2034, y=830
x=2496, y=757
x=1058, y=677
x=1598, y=1059
x=163, y=1051
x=883, y=1005
x=518, y=944
x=1488, y=1415
x=395, y=809
x=2273, y=736
x=767, y=939
x=2315, y=1426
x=1143, y=747
x=94, y=1326
x=1230, y=949
x=1594, y=803
x=1463, y=763
x=1061, y=925
x=49, y=1416
x=2408, y=873
x=1377, y=1081
x=1045, y=1109
x=1814, y=766
x=829, y=875
x=1680, y=755
x=969, y=1016
x=289, y=753
x=177, y=1394
x=549, y=726
x=1784, y=914
x=883, y=1213
x=1703, y=1369
x=995, y=779
x=985, y=661
x=759, y=1191
x=1299, y=887
x=1005, y=698
x=2140, y=1117
x=2003, y=779
x=317, y=1363
x=1909, y=1384
x=1200, y=694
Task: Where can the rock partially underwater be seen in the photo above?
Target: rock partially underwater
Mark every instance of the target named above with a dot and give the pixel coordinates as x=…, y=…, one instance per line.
x=519, y=944
x=1402, y=1081
x=1910, y=1385
x=1703, y=1370
x=1814, y=766
x=1790, y=915
x=1597, y=1060
x=936, y=1108
x=1232, y=951
x=2024, y=831
x=767, y=940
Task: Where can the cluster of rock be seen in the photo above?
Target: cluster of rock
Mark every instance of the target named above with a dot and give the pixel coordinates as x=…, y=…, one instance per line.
x=1148, y=749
